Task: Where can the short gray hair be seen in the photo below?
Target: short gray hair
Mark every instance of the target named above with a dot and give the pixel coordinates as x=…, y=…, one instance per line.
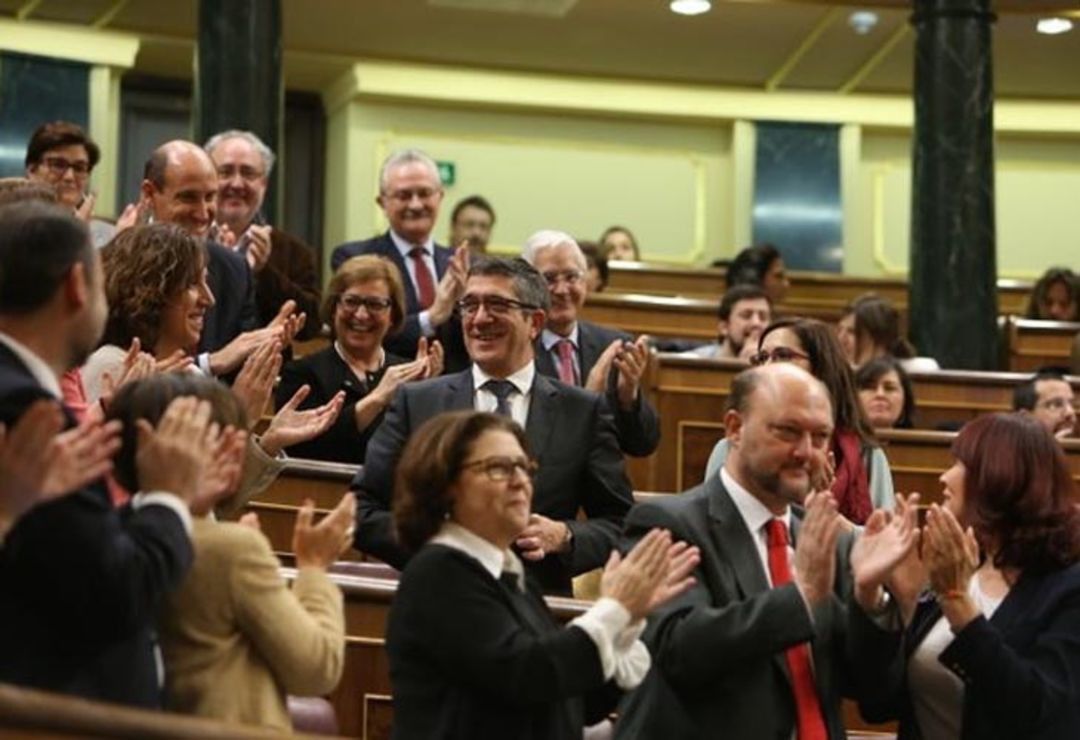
x=549, y=239
x=265, y=153
x=407, y=156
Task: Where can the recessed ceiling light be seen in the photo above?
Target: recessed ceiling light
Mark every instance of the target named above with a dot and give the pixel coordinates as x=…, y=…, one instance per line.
x=690, y=7
x=863, y=21
x=1053, y=26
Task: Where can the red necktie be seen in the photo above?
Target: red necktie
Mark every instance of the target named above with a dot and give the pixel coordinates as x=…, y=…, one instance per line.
x=425, y=286
x=807, y=707
x=566, y=361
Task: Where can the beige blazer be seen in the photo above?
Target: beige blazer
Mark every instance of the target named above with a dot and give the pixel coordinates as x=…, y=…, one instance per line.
x=236, y=640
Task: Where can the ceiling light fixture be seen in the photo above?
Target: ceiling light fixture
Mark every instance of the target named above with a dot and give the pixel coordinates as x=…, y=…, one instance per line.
x=1053, y=26
x=690, y=7
x=862, y=22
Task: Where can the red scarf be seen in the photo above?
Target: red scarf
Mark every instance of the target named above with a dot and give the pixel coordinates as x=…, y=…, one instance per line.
x=851, y=487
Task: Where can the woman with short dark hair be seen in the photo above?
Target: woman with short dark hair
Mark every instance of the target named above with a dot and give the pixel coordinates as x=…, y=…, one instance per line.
x=993, y=649
x=886, y=394
x=1056, y=296
x=474, y=650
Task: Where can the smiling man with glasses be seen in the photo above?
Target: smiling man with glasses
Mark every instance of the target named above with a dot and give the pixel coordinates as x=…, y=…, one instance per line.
x=410, y=194
x=1049, y=399
x=570, y=431
x=578, y=352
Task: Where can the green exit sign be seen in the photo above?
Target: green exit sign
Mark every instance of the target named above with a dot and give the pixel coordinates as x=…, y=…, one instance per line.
x=447, y=172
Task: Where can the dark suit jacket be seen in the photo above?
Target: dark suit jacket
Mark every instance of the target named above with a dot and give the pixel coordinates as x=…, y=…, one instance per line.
x=470, y=660
x=570, y=434
x=233, y=311
x=638, y=430
x=719, y=668
x=404, y=342
x=289, y=273
x=1020, y=668
x=327, y=374
x=80, y=582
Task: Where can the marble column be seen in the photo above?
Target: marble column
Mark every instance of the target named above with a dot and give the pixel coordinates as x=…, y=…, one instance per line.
x=238, y=81
x=953, y=286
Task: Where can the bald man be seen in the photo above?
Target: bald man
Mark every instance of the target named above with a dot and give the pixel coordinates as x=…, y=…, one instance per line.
x=755, y=649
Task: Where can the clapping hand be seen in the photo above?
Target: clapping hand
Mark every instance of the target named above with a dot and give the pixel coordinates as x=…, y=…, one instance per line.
x=815, y=552
x=886, y=540
x=630, y=360
x=653, y=572
x=290, y=427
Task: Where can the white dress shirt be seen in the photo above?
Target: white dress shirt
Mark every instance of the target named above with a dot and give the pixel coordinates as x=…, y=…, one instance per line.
x=404, y=247
x=522, y=380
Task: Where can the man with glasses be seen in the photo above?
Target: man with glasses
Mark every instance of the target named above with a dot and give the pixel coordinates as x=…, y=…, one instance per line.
x=570, y=432
x=1048, y=398
x=283, y=265
x=410, y=193
x=577, y=352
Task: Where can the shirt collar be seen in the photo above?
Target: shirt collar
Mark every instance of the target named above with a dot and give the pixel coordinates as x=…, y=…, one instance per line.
x=754, y=513
x=40, y=369
x=522, y=379
x=550, y=338
x=404, y=246
x=493, y=560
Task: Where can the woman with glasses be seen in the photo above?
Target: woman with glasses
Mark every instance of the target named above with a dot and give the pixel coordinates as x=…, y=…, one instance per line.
x=860, y=477
x=474, y=650
x=365, y=302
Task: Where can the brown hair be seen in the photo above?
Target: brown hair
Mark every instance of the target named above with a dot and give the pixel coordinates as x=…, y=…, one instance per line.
x=1018, y=493
x=22, y=190
x=49, y=136
x=877, y=322
x=828, y=365
x=148, y=398
x=145, y=268
x=1051, y=277
x=360, y=270
x=430, y=464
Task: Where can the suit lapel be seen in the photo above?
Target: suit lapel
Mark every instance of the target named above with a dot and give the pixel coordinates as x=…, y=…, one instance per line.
x=542, y=414
x=389, y=250
x=589, y=348
x=544, y=364
x=442, y=258
x=459, y=392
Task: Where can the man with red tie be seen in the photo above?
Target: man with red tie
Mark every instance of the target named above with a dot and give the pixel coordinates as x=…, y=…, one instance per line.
x=578, y=352
x=756, y=648
x=410, y=193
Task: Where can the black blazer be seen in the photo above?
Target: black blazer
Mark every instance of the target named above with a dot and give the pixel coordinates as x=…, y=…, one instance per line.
x=719, y=668
x=570, y=434
x=638, y=430
x=404, y=342
x=327, y=374
x=470, y=660
x=1020, y=668
x=80, y=582
x=234, y=309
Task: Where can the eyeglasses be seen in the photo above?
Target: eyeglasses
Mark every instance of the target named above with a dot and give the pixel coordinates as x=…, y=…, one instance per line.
x=60, y=165
x=373, y=304
x=404, y=196
x=502, y=468
x=571, y=277
x=247, y=174
x=777, y=354
x=495, y=305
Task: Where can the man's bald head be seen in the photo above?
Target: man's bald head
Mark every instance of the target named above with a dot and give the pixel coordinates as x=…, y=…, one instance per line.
x=180, y=186
x=778, y=424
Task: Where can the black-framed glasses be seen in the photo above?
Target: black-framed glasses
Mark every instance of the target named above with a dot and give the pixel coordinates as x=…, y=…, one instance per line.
x=374, y=304
x=502, y=468
x=777, y=354
x=570, y=277
x=496, y=305
x=247, y=174
x=60, y=165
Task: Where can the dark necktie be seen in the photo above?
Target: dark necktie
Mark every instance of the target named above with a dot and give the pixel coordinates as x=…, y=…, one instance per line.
x=425, y=286
x=501, y=389
x=807, y=706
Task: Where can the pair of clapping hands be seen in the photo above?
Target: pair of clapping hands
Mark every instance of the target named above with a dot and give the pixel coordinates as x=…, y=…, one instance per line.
x=655, y=571
x=186, y=454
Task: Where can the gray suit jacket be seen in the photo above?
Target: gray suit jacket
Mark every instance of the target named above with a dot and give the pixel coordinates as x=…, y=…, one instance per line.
x=570, y=434
x=718, y=651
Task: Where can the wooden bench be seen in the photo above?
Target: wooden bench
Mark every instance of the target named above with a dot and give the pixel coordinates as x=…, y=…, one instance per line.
x=1031, y=344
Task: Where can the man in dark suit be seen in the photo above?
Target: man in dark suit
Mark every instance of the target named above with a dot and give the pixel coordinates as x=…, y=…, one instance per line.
x=180, y=186
x=569, y=430
x=410, y=193
x=80, y=581
x=756, y=648
x=578, y=352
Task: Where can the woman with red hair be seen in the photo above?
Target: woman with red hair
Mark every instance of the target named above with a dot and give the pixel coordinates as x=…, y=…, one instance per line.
x=992, y=650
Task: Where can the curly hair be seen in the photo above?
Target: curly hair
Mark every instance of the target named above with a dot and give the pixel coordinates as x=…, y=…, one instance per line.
x=430, y=464
x=1040, y=292
x=1018, y=493
x=145, y=268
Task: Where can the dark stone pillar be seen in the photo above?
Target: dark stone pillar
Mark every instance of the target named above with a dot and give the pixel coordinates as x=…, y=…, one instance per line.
x=238, y=80
x=953, y=291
